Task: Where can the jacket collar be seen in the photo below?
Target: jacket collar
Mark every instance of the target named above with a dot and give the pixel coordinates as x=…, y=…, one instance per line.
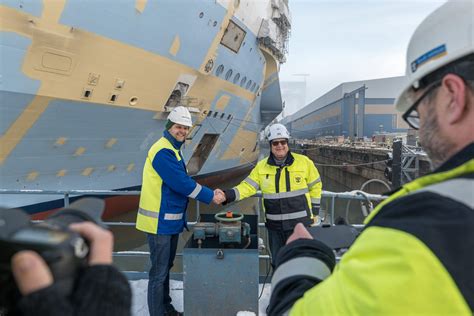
x=176, y=144
x=461, y=157
x=289, y=160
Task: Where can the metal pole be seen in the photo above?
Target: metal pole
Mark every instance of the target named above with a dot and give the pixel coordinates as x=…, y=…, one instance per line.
x=198, y=211
x=333, y=202
x=397, y=164
x=66, y=199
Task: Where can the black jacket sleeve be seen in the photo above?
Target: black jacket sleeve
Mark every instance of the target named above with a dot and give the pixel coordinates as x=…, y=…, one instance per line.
x=100, y=290
x=290, y=283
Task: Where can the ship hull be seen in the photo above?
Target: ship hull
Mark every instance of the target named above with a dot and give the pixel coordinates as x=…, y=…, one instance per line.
x=84, y=96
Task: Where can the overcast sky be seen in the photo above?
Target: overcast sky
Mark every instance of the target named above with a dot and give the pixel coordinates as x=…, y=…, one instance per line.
x=336, y=41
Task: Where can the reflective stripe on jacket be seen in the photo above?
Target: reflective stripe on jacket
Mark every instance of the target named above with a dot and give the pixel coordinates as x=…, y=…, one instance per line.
x=290, y=192
x=166, y=188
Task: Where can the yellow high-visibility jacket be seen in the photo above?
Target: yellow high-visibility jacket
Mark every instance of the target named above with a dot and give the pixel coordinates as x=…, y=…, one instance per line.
x=291, y=192
x=166, y=188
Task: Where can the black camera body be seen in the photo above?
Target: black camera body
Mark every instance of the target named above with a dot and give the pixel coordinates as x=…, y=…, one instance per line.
x=64, y=250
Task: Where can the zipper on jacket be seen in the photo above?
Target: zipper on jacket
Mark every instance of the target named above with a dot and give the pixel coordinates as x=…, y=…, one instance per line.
x=277, y=180
x=287, y=179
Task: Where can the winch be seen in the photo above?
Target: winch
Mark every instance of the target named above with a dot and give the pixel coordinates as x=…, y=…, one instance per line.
x=229, y=228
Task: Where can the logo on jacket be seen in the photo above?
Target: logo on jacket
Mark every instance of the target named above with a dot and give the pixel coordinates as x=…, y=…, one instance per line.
x=298, y=179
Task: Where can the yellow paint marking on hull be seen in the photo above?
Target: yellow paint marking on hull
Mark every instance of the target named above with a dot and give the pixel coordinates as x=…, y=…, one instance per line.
x=174, y=49
x=20, y=127
x=32, y=176
x=79, y=151
x=242, y=139
x=52, y=11
x=130, y=167
x=222, y=102
x=60, y=141
x=111, y=168
x=140, y=5
x=111, y=143
x=87, y=172
x=61, y=173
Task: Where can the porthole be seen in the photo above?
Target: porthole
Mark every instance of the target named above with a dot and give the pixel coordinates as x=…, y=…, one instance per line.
x=228, y=74
x=236, y=78
x=133, y=101
x=243, y=81
x=249, y=83
x=219, y=70
x=258, y=88
x=253, y=86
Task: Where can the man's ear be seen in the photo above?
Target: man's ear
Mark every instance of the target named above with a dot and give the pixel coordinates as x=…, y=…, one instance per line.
x=456, y=90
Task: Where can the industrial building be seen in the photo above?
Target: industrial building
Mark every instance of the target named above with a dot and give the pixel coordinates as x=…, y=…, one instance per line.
x=352, y=109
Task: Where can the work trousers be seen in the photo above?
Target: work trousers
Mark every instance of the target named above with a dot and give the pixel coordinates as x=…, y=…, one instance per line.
x=162, y=254
x=277, y=239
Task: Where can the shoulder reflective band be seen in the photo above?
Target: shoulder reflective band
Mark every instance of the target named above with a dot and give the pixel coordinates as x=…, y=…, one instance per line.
x=315, y=201
x=303, y=266
x=460, y=190
x=196, y=191
x=314, y=182
x=252, y=183
x=148, y=213
x=173, y=217
x=285, y=217
x=282, y=195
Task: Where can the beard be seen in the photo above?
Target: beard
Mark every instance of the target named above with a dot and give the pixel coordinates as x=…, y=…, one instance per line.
x=437, y=146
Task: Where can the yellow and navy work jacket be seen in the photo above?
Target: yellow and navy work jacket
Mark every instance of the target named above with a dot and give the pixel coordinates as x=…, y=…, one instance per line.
x=166, y=188
x=415, y=256
x=291, y=192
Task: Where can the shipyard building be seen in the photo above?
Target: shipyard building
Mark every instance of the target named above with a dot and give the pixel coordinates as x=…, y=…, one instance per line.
x=352, y=109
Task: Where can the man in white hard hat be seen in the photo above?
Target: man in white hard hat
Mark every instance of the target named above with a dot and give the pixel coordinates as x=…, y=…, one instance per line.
x=291, y=188
x=415, y=255
x=166, y=188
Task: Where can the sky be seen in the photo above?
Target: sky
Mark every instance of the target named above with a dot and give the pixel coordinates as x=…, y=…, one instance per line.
x=336, y=41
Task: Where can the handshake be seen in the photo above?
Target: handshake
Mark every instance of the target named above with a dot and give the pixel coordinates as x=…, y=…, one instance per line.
x=219, y=197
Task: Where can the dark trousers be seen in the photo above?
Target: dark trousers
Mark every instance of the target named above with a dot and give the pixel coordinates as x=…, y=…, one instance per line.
x=162, y=253
x=277, y=239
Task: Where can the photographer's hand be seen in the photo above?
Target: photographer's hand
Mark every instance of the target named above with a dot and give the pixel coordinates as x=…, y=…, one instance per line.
x=300, y=232
x=101, y=242
x=31, y=272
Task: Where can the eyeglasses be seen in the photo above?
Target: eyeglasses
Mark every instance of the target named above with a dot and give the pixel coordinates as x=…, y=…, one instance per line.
x=279, y=142
x=411, y=116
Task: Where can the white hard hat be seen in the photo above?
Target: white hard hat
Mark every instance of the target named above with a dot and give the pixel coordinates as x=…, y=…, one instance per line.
x=277, y=131
x=180, y=115
x=444, y=36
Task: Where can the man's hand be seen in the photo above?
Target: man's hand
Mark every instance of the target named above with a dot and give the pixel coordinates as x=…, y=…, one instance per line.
x=300, y=232
x=31, y=272
x=101, y=242
x=219, y=196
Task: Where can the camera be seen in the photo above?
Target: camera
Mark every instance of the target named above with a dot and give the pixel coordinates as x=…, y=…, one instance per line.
x=64, y=250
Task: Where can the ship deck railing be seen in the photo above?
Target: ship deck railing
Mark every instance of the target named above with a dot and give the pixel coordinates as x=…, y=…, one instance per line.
x=331, y=197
